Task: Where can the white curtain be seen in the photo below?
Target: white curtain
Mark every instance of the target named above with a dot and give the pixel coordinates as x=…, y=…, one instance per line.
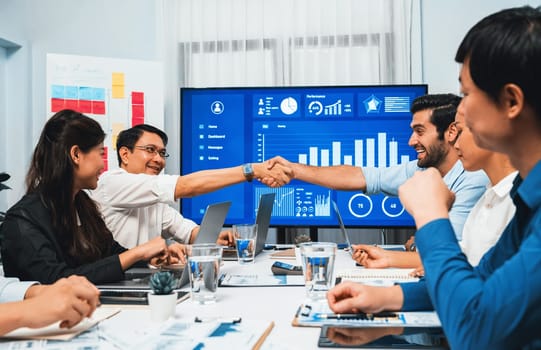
x=290, y=42
x=218, y=43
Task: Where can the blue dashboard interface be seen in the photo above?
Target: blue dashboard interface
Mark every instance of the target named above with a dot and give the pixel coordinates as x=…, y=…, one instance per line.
x=365, y=126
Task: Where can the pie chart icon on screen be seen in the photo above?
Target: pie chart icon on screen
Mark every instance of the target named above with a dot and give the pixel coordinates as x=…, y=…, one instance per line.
x=288, y=105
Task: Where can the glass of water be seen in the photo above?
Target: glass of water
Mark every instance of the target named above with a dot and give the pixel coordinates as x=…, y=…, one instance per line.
x=245, y=239
x=204, y=263
x=318, y=268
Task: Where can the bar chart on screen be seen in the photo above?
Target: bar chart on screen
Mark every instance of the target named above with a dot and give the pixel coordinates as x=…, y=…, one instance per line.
x=334, y=144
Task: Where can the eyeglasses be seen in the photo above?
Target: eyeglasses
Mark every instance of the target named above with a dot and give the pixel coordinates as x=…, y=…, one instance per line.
x=151, y=149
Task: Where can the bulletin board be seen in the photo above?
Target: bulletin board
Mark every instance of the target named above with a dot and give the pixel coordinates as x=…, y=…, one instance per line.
x=117, y=93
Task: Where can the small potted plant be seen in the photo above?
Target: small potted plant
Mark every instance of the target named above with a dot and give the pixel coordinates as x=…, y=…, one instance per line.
x=162, y=300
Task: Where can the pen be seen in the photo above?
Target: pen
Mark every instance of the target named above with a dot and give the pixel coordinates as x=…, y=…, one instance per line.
x=359, y=316
x=204, y=320
x=278, y=246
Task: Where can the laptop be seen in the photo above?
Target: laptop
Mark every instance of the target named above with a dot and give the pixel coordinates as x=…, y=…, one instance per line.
x=212, y=222
x=138, y=278
x=343, y=230
x=264, y=211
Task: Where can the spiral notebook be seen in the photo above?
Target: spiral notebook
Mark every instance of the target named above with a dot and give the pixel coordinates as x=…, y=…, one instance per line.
x=378, y=277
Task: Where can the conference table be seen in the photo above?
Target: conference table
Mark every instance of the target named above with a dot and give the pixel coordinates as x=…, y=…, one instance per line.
x=277, y=304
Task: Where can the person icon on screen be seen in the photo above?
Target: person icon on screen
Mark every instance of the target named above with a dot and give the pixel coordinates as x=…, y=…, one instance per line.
x=217, y=107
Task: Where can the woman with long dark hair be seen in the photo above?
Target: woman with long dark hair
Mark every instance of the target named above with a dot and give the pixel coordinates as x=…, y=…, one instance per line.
x=56, y=230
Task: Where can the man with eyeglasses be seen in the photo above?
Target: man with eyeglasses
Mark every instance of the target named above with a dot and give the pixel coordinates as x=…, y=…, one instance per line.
x=135, y=201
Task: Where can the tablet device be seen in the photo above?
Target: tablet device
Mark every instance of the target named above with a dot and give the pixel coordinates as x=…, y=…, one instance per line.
x=399, y=337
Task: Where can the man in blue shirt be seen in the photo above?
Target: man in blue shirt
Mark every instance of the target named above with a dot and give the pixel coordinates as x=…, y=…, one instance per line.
x=496, y=304
x=432, y=140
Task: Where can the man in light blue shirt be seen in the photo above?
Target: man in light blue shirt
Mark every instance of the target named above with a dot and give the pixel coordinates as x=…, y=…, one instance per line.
x=432, y=121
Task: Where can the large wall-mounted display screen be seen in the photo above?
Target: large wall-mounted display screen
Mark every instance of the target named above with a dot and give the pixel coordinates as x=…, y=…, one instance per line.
x=317, y=125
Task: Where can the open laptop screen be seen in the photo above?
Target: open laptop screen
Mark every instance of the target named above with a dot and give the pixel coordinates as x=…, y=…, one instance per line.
x=342, y=228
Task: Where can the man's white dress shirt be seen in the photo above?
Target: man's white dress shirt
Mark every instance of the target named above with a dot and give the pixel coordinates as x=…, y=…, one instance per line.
x=136, y=207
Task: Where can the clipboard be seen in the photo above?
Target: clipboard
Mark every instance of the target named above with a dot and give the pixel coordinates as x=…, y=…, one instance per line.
x=318, y=314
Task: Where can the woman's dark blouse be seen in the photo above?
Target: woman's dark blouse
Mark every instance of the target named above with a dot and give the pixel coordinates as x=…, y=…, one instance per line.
x=31, y=249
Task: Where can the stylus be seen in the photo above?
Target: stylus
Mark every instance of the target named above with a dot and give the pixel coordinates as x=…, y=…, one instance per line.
x=359, y=316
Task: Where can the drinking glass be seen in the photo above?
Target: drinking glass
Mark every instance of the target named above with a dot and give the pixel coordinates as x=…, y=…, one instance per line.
x=204, y=263
x=318, y=267
x=245, y=239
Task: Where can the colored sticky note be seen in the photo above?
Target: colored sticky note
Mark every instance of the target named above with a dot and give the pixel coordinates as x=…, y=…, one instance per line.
x=138, y=98
x=138, y=111
x=71, y=92
x=117, y=128
x=98, y=107
x=117, y=78
x=57, y=91
x=118, y=85
x=57, y=104
x=72, y=104
x=85, y=106
x=98, y=94
x=118, y=91
x=105, y=158
x=85, y=93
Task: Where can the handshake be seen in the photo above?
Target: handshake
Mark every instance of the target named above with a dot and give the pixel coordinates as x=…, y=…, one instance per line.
x=274, y=172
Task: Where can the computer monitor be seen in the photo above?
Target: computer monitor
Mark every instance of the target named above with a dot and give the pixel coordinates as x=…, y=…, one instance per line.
x=317, y=125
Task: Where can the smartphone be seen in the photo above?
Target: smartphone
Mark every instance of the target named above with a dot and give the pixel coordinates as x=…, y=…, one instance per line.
x=281, y=268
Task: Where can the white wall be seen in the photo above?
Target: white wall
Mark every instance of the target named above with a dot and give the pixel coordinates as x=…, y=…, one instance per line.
x=443, y=25
x=119, y=29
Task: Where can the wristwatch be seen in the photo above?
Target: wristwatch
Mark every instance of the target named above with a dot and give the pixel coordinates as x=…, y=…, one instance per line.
x=248, y=172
